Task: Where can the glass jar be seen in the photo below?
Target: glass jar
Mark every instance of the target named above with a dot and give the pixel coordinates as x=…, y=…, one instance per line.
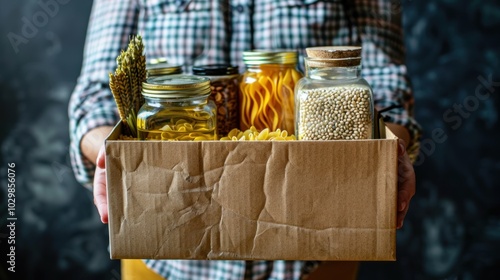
x=267, y=90
x=333, y=102
x=177, y=108
x=224, y=83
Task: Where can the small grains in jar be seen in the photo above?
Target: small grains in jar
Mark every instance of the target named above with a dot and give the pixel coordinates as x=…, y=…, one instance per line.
x=333, y=102
x=177, y=108
x=224, y=85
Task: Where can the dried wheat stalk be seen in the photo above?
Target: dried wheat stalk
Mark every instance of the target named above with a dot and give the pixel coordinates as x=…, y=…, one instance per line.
x=126, y=83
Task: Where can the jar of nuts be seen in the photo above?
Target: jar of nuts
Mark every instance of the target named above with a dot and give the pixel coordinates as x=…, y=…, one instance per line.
x=267, y=90
x=224, y=83
x=177, y=108
x=333, y=102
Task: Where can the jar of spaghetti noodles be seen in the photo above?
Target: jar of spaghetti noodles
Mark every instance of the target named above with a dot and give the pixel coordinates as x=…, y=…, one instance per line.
x=267, y=90
x=177, y=108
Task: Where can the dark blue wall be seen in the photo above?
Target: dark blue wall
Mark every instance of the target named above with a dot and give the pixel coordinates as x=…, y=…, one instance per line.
x=59, y=235
x=453, y=227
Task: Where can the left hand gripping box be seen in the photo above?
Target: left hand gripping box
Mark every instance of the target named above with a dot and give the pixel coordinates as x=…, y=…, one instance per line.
x=252, y=200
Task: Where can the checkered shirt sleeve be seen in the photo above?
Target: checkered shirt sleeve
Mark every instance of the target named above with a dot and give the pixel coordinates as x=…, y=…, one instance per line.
x=92, y=104
x=380, y=33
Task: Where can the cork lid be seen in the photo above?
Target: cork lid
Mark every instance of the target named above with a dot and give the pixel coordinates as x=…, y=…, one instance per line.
x=334, y=52
x=336, y=56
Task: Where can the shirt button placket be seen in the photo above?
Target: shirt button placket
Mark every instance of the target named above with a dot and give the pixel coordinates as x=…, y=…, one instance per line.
x=240, y=8
x=240, y=39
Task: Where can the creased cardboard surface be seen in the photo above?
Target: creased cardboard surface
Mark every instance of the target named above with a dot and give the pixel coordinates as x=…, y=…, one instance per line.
x=295, y=200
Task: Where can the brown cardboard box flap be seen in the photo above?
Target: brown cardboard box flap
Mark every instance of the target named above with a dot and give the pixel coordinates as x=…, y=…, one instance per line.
x=294, y=200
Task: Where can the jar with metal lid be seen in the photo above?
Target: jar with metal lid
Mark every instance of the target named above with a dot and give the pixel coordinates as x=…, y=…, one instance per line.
x=224, y=83
x=177, y=108
x=267, y=90
x=162, y=69
x=333, y=102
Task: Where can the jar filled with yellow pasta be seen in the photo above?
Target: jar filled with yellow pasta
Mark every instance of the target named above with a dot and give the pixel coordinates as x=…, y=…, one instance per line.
x=177, y=108
x=267, y=90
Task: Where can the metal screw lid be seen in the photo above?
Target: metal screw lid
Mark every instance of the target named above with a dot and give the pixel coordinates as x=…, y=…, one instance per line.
x=258, y=57
x=215, y=70
x=176, y=86
x=163, y=69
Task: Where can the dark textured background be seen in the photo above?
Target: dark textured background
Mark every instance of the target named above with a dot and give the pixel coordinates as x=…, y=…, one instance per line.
x=453, y=228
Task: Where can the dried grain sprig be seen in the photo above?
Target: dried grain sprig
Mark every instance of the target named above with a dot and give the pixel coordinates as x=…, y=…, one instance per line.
x=114, y=86
x=126, y=82
x=138, y=68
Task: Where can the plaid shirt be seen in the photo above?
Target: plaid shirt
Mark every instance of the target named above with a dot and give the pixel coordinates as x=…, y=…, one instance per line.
x=196, y=32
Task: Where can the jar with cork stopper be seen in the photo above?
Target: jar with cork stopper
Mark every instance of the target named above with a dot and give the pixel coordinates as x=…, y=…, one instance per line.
x=333, y=101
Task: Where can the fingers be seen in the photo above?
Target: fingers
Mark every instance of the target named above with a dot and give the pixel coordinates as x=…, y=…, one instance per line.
x=100, y=198
x=405, y=193
x=101, y=157
x=404, y=198
x=406, y=184
x=401, y=217
x=401, y=147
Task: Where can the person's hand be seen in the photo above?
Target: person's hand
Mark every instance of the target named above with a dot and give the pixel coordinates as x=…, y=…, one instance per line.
x=94, y=150
x=100, y=199
x=406, y=183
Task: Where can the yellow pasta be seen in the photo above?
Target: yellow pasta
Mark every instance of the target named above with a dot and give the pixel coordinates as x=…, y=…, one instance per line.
x=194, y=126
x=267, y=99
x=252, y=134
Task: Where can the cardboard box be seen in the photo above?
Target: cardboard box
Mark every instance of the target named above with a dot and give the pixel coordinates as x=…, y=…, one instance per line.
x=274, y=200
